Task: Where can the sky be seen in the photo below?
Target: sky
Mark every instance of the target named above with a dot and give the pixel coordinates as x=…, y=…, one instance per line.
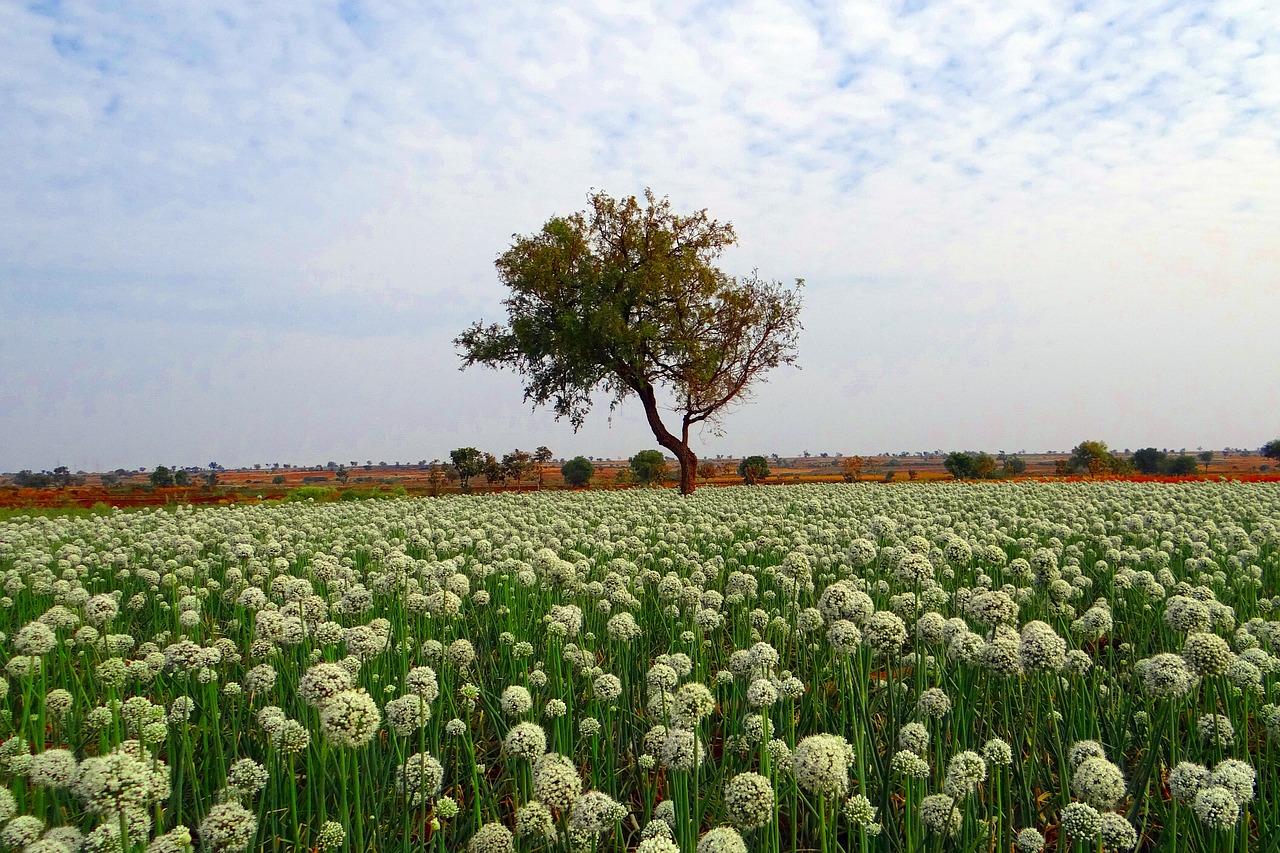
x=248, y=232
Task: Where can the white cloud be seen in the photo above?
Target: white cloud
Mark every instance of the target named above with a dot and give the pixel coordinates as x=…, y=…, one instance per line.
x=996, y=162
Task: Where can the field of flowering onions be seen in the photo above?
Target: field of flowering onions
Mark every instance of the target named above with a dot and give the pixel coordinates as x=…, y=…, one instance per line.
x=835, y=668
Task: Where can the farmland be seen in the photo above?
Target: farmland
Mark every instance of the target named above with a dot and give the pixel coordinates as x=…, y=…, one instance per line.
x=131, y=489
x=927, y=666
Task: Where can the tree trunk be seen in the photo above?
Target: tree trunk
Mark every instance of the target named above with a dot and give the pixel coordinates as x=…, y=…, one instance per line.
x=688, y=461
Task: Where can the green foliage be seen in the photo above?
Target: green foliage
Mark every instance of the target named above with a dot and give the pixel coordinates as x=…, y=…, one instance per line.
x=960, y=465
x=1032, y=721
x=974, y=465
x=649, y=468
x=278, y=480
x=518, y=464
x=1149, y=460
x=315, y=493
x=181, y=477
x=753, y=469
x=1014, y=466
x=1093, y=458
x=626, y=298
x=161, y=477
x=492, y=469
x=467, y=462
x=577, y=471
x=1271, y=449
x=984, y=466
x=28, y=479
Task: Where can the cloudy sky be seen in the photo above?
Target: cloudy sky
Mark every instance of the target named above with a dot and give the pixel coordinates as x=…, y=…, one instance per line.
x=248, y=232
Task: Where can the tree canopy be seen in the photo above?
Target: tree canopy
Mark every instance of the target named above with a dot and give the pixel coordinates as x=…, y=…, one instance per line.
x=960, y=465
x=1094, y=458
x=468, y=462
x=1150, y=460
x=753, y=469
x=626, y=298
x=577, y=471
x=649, y=467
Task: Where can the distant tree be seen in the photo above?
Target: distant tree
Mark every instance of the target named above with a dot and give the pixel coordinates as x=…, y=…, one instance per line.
x=708, y=470
x=435, y=477
x=912, y=473
x=1014, y=466
x=63, y=476
x=110, y=480
x=888, y=476
x=1205, y=458
x=541, y=457
x=331, y=465
x=984, y=466
x=1093, y=458
x=577, y=471
x=1182, y=465
x=278, y=479
x=1061, y=467
x=1271, y=449
x=623, y=477
x=518, y=464
x=649, y=467
x=162, y=477
x=341, y=475
x=181, y=477
x=851, y=468
x=29, y=479
x=468, y=462
x=492, y=469
x=1149, y=460
x=211, y=477
x=753, y=469
x=960, y=465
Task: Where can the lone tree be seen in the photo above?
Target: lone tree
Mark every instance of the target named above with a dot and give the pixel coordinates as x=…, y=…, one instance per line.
x=1094, y=458
x=1150, y=460
x=960, y=465
x=1014, y=466
x=851, y=468
x=649, y=468
x=468, y=462
x=541, y=457
x=1271, y=449
x=753, y=469
x=577, y=471
x=625, y=297
x=518, y=464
